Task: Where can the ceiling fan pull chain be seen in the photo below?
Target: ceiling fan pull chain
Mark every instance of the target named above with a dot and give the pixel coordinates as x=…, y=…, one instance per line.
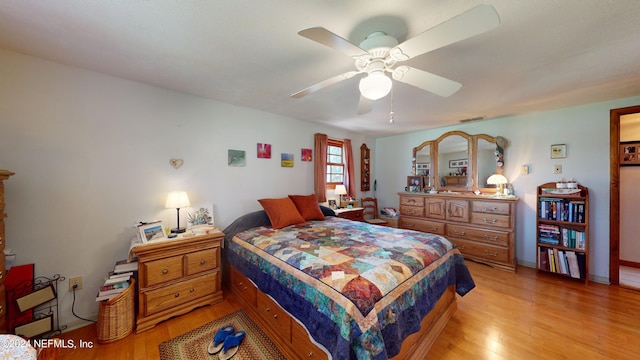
x=391, y=120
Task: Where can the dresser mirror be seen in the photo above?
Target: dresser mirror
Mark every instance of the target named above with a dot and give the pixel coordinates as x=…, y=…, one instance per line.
x=458, y=161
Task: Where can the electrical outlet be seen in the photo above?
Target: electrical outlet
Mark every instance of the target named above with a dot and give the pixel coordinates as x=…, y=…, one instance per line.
x=75, y=281
x=557, y=169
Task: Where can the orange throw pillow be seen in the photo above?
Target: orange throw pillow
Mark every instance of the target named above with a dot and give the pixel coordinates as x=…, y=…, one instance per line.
x=308, y=206
x=281, y=212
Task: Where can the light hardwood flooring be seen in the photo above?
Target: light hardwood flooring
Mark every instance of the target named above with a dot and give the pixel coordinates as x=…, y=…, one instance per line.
x=507, y=316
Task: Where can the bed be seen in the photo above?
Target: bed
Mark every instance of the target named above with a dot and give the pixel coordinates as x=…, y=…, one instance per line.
x=360, y=291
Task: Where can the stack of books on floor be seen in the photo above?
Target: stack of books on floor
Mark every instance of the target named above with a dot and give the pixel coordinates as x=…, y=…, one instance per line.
x=118, y=280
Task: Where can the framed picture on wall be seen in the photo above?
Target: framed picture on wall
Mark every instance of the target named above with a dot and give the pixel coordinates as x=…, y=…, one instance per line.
x=558, y=151
x=629, y=153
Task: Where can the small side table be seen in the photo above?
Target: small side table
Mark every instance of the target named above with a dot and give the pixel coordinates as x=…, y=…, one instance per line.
x=355, y=214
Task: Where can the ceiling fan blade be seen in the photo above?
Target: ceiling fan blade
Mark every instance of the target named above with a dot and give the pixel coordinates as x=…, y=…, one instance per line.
x=327, y=38
x=323, y=84
x=365, y=105
x=426, y=81
x=468, y=24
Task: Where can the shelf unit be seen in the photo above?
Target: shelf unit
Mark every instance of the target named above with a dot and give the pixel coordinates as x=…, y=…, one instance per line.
x=365, y=168
x=562, y=232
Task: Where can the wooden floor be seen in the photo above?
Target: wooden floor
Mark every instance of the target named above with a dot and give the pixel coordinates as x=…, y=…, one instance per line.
x=507, y=316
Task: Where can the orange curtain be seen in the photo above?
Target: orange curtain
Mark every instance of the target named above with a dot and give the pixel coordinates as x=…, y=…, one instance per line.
x=349, y=181
x=320, y=166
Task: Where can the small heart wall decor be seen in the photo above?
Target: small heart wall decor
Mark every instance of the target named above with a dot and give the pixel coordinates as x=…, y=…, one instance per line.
x=176, y=163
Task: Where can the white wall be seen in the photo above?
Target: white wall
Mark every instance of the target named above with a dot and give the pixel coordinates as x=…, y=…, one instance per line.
x=91, y=156
x=585, y=131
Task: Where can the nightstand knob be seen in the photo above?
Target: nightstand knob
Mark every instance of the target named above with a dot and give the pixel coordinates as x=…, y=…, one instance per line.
x=176, y=294
x=202, y=262
x=165, y=271
x=191, y=290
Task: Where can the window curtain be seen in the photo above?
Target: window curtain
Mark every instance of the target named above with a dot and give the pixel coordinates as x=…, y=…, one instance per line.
x=349, y=181
x=320, y=166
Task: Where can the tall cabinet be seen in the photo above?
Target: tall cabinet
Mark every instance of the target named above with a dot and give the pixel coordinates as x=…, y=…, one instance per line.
x=4, y=175
x=562, y=231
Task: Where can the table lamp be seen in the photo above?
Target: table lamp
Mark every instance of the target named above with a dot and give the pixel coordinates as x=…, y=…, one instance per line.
x=177, y=200
x=500, y=180
x=341, y=190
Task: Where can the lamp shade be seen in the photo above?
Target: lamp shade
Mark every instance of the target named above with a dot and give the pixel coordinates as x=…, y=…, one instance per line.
x=375, y=86
x=341, y=190
x=497, y=179
x=177, y=199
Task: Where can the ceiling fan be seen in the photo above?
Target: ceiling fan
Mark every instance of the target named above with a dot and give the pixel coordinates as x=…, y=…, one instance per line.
x=379, y=54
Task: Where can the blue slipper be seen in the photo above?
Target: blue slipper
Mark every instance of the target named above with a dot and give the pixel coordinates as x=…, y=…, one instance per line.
x=218, y=339
x=231, y=344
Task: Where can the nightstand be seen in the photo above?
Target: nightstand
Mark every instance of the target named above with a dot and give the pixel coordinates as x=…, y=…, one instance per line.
x=177, y=276
x=355, y=214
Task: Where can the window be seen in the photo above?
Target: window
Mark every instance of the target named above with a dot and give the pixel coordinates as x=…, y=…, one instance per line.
x=335, y=163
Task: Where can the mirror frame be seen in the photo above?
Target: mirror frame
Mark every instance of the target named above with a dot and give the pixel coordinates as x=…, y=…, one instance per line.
x=472, y=168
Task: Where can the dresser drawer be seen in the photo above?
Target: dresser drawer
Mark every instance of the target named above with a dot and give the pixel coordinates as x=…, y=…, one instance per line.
x=277, y=317
x=163, y=270
x=180, y=293
x=427, y=226
x=302, y=344
x=498, y=238
x=484, y=219
x=480, y=250
x=411, y=201
x=412, y=211
x=244, y=287
x=491, y=207
x=200, y=261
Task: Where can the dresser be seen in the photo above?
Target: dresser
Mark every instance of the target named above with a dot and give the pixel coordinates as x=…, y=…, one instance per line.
x=4, y=175
x=482, y=227
x=177, y=276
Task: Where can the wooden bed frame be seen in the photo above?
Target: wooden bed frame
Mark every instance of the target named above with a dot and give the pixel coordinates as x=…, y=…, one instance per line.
x=294, y=341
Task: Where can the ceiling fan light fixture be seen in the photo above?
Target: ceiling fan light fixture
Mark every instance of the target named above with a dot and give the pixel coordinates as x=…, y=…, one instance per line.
x=375, y=85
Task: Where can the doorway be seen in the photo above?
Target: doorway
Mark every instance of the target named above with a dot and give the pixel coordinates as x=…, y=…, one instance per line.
x=614, y=189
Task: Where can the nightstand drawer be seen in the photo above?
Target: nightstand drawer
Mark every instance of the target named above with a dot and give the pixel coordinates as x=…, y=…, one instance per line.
x=200, y=261
x=180, y=293
x=163, y=270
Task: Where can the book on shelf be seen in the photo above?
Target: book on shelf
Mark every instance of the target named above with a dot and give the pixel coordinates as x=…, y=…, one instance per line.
x=572, y=259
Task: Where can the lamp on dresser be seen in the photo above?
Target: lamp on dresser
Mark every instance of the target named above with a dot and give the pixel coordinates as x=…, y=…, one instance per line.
x=499, y=180
x=177, y=200
x=341, y=190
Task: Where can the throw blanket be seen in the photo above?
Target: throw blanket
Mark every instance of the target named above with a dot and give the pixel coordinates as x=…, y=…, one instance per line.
x=359, y=289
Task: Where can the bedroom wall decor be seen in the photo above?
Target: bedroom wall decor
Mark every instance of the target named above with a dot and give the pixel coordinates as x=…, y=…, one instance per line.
x=237, y=158
x=264, y=151
x=286, y=160
x=306, y=154
x=176, y=163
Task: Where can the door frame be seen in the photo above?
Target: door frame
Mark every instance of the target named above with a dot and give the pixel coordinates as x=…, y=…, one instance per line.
x=614, y=190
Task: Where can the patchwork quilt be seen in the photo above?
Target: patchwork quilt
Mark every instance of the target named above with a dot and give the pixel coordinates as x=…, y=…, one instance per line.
x=360, y=289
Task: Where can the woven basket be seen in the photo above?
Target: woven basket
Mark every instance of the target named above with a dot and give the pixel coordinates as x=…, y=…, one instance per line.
x=116, y=317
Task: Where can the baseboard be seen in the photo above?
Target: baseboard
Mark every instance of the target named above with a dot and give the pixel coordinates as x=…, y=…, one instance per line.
x=628, y=263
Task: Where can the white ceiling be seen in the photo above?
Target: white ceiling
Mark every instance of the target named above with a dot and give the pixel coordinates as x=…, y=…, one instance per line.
x=545, y=54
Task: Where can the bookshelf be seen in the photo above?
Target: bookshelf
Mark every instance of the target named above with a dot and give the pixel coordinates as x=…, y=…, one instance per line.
x=562, y=231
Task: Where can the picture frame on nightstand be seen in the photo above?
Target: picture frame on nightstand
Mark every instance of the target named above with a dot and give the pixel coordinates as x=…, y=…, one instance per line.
x=151, y=232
